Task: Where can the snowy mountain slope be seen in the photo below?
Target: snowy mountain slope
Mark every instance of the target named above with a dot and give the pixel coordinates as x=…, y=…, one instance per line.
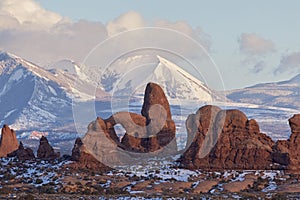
x=33, y=98
x=176, y=82
x=77, y=82
x=30, y=97
x=281, y=94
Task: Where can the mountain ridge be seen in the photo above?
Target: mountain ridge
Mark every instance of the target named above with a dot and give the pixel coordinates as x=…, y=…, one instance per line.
x=279, y=94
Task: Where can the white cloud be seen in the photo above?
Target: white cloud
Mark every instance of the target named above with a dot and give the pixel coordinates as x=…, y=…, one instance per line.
x=253, y=44
x=65, y=41
x=289, y=63
x=27, y=14
x=186, y=29
x=42, y=36
x=127, y=21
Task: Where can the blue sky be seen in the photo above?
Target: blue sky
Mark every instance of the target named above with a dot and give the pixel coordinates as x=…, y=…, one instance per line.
x=250, y=41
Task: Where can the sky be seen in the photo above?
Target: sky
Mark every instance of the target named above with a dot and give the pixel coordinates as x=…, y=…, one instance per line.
x=249, y=41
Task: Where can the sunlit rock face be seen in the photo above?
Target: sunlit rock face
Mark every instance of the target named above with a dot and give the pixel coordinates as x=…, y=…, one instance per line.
x=225, y=139
x=8, y=141
x=287, y=152
x=151, y=133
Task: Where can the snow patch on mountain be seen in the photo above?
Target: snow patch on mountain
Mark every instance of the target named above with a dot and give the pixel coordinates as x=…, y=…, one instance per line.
x=128, y=78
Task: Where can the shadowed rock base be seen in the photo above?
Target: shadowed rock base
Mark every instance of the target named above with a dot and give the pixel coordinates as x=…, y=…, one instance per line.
x=22, y=153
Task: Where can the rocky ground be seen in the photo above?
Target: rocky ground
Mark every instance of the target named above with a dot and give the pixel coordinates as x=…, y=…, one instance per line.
x=39, y=179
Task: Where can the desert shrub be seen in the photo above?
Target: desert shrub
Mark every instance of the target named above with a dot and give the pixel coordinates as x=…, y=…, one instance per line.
x=98, y=188
x=86, y=192
x=88, y=184
x=280, y=196
x=55, y=178
x=115, y=191
x=26, y=197
x=52, y=183
x=39, y=181
x=47, y=189
x=5, y=190
x=134, y=178
x=8, y=176
x=78, y=183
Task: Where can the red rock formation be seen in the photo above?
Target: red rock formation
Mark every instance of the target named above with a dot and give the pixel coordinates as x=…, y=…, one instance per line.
x=294, y=143
x=226, y=140
x=159, y=121
x=8, y=141
x=287, y=152
x=45, y=150
x=84, y=160
x=153, y=132
x=154, y=95
x=199, y=126
x=22, y=154
x=149, y=132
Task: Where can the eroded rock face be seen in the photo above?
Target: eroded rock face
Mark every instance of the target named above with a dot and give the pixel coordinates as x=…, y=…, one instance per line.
x=46, y=151
x=149, y=132
x=294, y=143
x=199, y=126
x=84, y=160
x=226, y=139
x=22, y=153
x=156, y=127
x=8, y=141
x=154, y=95
x=159, y=121
x=287, y=152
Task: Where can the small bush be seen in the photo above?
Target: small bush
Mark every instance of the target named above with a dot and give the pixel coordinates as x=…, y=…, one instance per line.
x=38, y=181
x=26, y=197
x=78, y=183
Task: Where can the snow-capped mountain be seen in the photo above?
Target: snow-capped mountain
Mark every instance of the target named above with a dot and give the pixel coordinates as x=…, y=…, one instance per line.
x=76, y=80
x=30, y=97
x=37, y=99
x=33, y=98
x=280, y=94
x=175, y=81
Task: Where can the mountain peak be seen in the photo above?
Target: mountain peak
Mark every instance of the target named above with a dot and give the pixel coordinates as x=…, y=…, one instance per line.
x=4, y=55
x=168, y=63
x=173, y=66
x=295, y=79
x=181, y=81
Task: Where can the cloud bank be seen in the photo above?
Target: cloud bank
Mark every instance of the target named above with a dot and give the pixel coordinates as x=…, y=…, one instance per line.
x=253, y=49
x=290, y=63
x=42, y=36
x=254, y=45
x=26, y=14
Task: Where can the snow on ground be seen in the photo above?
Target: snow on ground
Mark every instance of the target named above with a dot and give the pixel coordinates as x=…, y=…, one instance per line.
x=37, y=173
x=163, y=170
